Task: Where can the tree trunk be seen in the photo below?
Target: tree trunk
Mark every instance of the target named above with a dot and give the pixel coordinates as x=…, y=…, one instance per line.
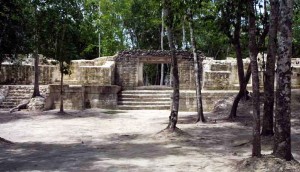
x=243, y=85
x=200, y=115
x=241, y=93
x=267, y=128
x=99, y=33
x=36, y=88
x=168, y=17
x=184, y=44
x=282, y=137
x=256, y=145
x=162, y=47
x=61, y=109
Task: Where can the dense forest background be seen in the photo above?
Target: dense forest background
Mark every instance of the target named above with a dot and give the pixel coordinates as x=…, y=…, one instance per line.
x=85, y=25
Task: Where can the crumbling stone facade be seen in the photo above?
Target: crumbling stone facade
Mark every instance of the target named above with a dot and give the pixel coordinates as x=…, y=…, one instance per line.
x=96, y=83
x=129, y=67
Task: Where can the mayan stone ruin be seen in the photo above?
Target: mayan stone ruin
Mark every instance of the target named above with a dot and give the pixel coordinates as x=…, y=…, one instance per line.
x=117, y=82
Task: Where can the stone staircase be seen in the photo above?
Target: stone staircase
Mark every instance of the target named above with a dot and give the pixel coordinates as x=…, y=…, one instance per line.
x=144, y=100
x=17, y=93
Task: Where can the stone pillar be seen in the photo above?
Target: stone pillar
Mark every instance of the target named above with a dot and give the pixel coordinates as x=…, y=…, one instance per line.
x=140, y=74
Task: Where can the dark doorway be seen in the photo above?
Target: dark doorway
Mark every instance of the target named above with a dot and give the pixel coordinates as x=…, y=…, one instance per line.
x=152, y=74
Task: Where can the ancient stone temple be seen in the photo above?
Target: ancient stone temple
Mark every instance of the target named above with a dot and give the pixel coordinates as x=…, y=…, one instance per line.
x=120, y=82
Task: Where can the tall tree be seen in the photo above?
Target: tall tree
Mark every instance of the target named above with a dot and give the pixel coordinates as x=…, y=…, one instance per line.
x=197, y=68
x=232, y=14
x=282, y=137
x=162, y=47
x=12, y=28
x=267, y=127
x=253, y=51
x=169, y=20
x=36, y=87
x=60, y=37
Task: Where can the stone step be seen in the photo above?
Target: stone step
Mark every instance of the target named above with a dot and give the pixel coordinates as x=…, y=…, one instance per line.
x=143, y=107
x=9, y=103
x=141, y=96
x=20, y=92
x=166, y=103
x=6, y=106
x=147, y=91
x=154, y=99
x=10, y=99
x=18, y=95
x=149, y=99
x=154, y=87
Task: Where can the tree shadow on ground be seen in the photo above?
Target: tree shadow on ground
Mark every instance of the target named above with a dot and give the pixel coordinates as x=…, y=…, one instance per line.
x=6, y=117
x=97, y=113
x=78, y=157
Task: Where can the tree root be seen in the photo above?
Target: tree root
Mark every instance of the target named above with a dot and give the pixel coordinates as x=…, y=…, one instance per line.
x=19, y=107
x=2, y=140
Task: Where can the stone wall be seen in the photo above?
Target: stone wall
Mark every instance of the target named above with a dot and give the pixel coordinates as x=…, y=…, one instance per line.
x=101, y=96
x=129, y=67
x=188, y=101
x=211, y=97
x=99, y=71
x=82, y=97
x=126, y=70
x=95, y=83
x=16, y=74
x=3, y=92
x=126, y=74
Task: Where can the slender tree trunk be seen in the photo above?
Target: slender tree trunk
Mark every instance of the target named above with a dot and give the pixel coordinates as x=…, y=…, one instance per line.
x=183, y=35
x=240, y=66
x=200, y=115
x=36, y=89
x=267, y=128
x=162, y=47
x=61, y=109
x=243, y=85
x=168, y=17
x=282, y=137
x=256, y=145
x=99, y=33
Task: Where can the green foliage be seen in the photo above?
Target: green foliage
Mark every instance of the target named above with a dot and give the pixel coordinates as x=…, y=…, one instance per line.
x=232, y=21
x=123, y=24
x=296, y=29
x=12, y=28
x=59, y=32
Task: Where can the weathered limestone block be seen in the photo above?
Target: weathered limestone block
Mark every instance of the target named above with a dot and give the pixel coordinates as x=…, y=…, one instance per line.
x=217, y=80
x=3, y=93
x=36, y=104
x=209, y=99
x=81, y=97
x=296, y=77
x=101, y=96
x=48, y=74
x=220, y=67
x=16, y=74
x=72, y=95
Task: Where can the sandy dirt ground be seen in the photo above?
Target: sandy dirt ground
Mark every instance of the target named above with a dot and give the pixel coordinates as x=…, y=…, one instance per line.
x=107, y=140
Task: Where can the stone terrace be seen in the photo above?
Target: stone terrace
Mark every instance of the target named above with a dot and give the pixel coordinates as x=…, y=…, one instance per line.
x=103, y=82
